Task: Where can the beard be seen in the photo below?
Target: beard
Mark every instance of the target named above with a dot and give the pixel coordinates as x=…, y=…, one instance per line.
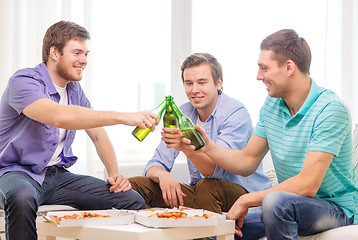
x=66, y=74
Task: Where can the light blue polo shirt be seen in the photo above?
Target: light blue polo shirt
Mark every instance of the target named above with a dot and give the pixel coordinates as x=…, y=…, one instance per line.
x=322, y=124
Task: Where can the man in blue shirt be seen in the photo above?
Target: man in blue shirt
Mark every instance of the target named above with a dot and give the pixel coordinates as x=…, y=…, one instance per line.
x=39, y=112
x=308, y=132
x=228, y=124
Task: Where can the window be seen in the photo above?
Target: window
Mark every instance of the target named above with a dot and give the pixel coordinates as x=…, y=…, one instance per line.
x=233, y=30
x=128, y=70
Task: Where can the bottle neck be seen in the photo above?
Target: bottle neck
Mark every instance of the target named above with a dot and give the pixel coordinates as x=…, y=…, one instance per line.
x=160, y=109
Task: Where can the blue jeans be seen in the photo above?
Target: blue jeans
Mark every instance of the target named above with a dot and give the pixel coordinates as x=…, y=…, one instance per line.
x=288, y=215
x=21, y=196
x=253, y=228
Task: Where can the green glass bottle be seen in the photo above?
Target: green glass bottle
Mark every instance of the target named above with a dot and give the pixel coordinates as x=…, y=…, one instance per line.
x=139, y=133
x=169, y=120
x=187, y=128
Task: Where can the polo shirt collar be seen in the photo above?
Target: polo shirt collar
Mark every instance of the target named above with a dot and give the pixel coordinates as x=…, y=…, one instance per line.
x=314, y=93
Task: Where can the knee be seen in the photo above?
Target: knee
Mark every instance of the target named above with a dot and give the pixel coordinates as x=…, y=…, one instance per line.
x=139, y=182
x=206, y=186
x=22, y=198
x=137, y=201
x=276, y=203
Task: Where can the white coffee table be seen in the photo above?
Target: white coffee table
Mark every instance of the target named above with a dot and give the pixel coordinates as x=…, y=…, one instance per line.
x=48, y=231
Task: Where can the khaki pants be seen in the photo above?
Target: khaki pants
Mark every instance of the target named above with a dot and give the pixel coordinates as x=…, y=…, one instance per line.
x=209, y=194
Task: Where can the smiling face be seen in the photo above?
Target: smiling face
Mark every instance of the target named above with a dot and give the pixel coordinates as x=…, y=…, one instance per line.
x=272, y=75
x=200, y=89
x=71, y=63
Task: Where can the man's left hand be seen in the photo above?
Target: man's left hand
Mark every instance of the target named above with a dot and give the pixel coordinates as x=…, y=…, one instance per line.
x=119, y=183
x=237, y=212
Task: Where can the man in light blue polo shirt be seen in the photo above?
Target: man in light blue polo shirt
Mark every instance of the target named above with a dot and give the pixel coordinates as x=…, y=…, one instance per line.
x=229, y=125
x=308, y=132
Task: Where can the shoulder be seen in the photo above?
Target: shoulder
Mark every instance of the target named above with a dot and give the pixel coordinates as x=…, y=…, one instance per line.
x=228, y=105
x=35, y=74
x=328, y=102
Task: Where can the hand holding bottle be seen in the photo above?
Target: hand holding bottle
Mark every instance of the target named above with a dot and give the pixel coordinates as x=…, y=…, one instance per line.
x=142, y=130
x=187, y=128
x=174, y=137
x=143, y=119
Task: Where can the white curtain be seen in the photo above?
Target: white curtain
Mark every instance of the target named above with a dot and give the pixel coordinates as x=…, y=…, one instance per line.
x=23, y=24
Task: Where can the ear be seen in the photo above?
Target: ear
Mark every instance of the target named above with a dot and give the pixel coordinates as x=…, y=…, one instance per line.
x=290, y=67
x=54, y=53
x=219, y=84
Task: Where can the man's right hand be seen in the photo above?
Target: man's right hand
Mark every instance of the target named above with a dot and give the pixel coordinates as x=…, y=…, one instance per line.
x=171, y=190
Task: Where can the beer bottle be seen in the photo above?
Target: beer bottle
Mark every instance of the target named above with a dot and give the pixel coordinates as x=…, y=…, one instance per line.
x=139, y=133
x=187, y=128
x=169, y=119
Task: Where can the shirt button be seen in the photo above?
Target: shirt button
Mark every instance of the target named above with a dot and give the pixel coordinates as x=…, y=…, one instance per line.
x=53, y=144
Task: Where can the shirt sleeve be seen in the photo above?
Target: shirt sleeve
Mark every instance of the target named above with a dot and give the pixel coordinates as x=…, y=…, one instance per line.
x=330, y=129
x=260, y=126
x=23, y=91
x=233, y=133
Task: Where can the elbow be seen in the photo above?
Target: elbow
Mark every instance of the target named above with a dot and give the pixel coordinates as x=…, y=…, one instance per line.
x=310, y=192
x=309, y=189
x=61, y=121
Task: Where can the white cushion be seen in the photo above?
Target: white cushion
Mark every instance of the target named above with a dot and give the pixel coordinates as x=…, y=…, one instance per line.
x=341, y=233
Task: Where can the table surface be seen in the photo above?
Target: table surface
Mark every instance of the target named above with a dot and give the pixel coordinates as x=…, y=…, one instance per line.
x=135, y=231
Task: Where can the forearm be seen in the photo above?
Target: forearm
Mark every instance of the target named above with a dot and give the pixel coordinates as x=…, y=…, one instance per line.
x=233, y=161
x=295, y=185
x=104, y=150
x=202, y=162
x=75, y=117
x=154, y=172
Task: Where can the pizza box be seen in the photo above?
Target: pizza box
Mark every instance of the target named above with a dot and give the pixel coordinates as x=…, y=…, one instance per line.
x=194, y=218
x=116, y=217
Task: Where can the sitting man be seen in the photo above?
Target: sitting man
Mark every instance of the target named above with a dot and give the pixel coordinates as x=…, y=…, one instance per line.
x=229, y=125
x=308, y=131
x=39, y=112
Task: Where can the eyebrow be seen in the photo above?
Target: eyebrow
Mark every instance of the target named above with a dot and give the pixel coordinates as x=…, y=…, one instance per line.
x=81, y=50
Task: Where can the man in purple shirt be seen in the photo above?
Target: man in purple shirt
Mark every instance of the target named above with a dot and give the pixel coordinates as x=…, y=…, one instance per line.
x=39, y=112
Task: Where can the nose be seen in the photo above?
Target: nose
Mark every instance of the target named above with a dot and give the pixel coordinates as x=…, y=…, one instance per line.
x=83, y=59
x=195, y=87
x=259, y=76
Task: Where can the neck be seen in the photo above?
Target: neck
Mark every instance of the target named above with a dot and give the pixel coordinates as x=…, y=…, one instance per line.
x=55, y=77
x=298, y=94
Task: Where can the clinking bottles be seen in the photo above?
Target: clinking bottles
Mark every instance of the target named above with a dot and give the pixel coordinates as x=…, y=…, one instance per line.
x=169, y=119
x=187, y=128
x=139, y=133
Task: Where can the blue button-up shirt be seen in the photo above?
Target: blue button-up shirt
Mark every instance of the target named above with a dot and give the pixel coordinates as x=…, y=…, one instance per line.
x=25, y=144
x=229, y=125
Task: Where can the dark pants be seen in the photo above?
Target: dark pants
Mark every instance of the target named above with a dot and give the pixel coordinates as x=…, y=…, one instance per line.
x=21, y=196
x=209, y=194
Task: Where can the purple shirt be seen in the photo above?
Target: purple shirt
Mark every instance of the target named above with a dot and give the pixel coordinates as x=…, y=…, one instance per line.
x=25, y=144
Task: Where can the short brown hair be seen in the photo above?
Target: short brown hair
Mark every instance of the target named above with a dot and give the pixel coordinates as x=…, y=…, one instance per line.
x=286, y=44
x=197, y=59
x=59, y=34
